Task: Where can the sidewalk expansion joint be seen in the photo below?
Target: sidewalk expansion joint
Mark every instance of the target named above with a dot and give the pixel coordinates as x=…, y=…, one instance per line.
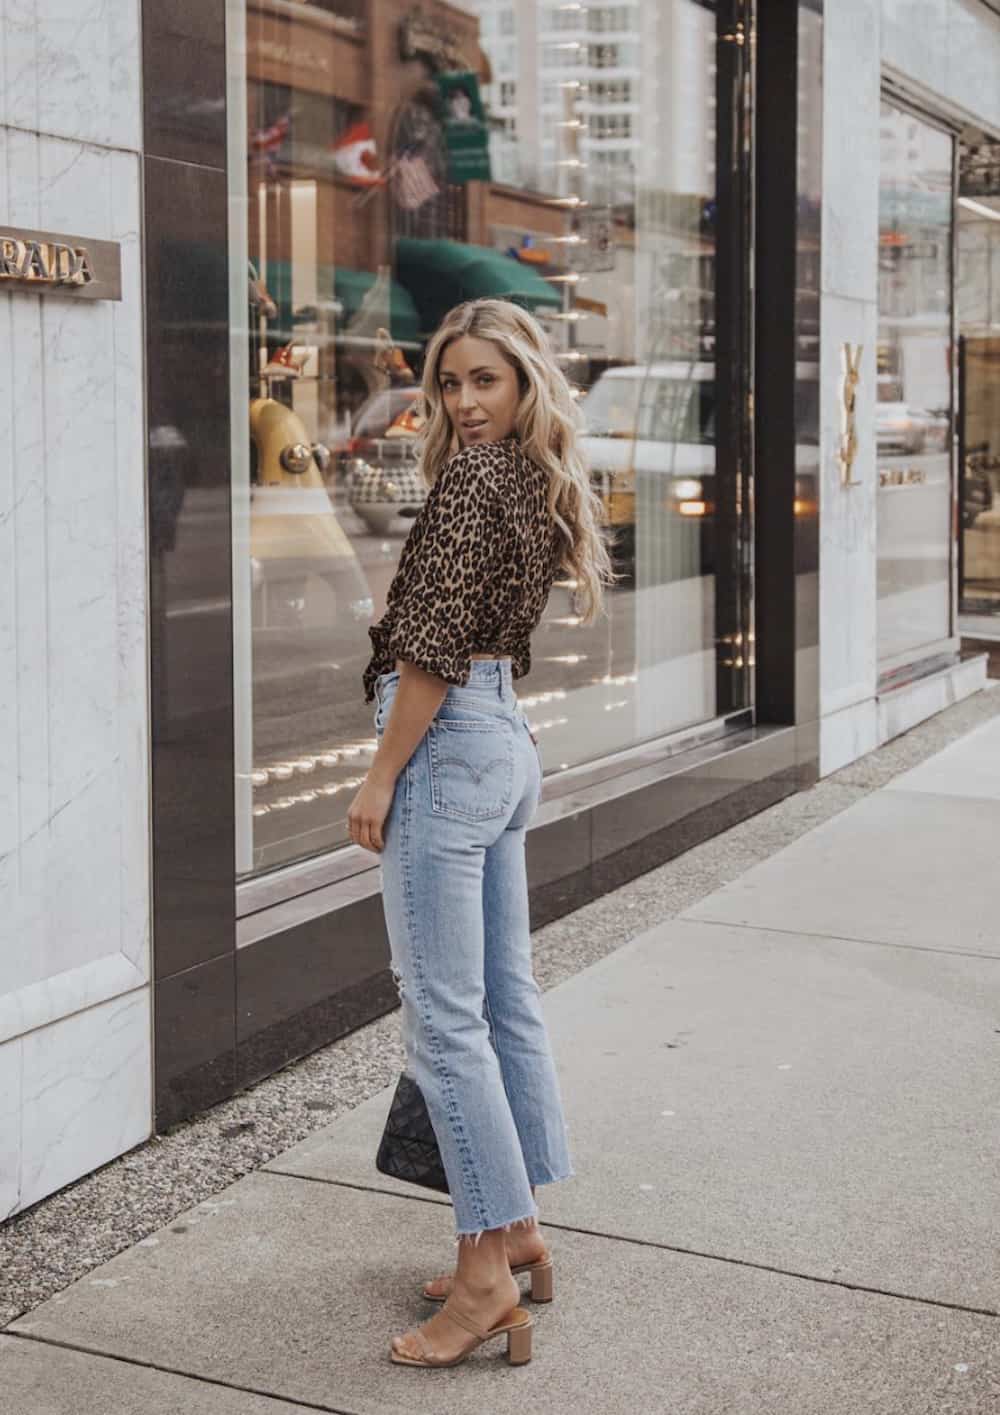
x=666, y=1248
x=837, y=938
x=295, y=1403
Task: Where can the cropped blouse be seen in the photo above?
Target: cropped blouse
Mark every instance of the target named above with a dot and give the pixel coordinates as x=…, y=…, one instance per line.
x=475, y=571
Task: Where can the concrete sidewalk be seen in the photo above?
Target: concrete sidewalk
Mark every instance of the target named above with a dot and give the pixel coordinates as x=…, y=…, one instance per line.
x=783, y=1108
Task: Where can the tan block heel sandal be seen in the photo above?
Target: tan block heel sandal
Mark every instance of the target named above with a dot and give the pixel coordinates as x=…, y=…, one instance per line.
x=516, y=1325
x=541, y=1281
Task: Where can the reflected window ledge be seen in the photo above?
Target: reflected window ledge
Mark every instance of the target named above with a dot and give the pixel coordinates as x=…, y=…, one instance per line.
x=346, y=875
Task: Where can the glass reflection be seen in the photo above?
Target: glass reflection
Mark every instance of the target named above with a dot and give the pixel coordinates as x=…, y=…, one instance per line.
x=400, y=159
x=913, y=410
x=978, y=315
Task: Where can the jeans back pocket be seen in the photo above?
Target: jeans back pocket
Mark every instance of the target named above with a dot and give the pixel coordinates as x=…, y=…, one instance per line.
x=472, y=767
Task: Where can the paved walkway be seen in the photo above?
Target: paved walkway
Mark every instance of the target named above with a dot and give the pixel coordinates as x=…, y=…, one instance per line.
x=783, y=1107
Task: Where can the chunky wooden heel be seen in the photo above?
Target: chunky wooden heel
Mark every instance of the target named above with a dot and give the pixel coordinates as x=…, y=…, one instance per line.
x=519, y=1345
x=541, y=1282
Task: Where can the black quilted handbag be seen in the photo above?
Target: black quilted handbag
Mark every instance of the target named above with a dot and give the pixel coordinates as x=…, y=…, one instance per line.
x=409, y=1148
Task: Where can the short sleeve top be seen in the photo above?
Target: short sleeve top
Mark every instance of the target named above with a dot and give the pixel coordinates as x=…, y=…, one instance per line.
x=475, y=572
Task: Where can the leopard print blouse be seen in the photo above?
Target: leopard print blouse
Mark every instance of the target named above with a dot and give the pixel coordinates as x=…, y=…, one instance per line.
x=476, y=570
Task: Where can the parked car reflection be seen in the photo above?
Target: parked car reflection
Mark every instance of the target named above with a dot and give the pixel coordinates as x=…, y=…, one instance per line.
x=900, y=427
x=650, y=439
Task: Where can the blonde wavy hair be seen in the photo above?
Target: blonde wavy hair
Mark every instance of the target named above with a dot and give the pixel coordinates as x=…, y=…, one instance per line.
x=547, y=425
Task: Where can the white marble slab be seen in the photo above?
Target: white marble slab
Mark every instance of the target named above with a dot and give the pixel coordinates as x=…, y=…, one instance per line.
x=847, y=735
x=973, y=65
x=72, y=422
x=903, y=708
x=10, y=1128
x=87, y=1092
x=915, y=38
x=851, y=77
x=66, y=991
x=949, y=48
x=131, y=602
x=74, y=823
x=847, y=581
x=73, y=69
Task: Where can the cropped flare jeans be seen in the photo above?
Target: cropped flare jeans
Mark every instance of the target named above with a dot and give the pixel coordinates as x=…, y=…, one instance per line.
x=455, y=894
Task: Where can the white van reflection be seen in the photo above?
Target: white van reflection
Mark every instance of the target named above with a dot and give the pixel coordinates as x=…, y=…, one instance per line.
x=652, y=417
x=650, y=433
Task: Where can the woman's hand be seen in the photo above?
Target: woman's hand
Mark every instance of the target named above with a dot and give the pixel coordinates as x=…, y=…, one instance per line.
x=368, y=811
x=417, y=699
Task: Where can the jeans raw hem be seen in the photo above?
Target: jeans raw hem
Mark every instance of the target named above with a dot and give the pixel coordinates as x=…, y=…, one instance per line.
x=474, y=1234
x=552, y=1178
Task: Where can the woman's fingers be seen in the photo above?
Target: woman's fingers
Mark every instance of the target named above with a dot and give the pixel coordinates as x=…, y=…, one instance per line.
x=354, y=824
x=366, y=831
x=366, y=817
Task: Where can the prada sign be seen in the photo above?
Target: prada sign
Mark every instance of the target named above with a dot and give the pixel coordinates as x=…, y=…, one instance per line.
x=70, y=265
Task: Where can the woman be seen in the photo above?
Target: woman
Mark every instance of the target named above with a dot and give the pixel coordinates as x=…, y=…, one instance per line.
x=453, y=785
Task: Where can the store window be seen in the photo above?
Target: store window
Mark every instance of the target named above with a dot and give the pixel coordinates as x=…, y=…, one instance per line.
x=373, y=187
x=978, y=319
x=913, y=421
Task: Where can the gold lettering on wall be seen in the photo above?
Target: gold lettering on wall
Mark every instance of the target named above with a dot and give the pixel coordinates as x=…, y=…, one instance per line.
x=45, y=262
x=77, y=265
x=851, y=362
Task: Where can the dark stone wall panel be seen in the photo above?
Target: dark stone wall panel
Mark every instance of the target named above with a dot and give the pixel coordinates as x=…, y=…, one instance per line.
x=184, y=80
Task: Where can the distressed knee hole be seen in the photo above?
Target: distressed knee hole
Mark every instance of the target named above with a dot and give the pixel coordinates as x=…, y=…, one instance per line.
x=397, y=978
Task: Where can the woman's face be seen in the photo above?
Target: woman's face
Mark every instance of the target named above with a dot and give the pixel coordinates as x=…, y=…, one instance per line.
x=480, y=390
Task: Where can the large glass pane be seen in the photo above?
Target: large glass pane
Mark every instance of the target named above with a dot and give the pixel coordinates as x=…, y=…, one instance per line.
x=978, y=317
x=398, y=160
x=913, y=418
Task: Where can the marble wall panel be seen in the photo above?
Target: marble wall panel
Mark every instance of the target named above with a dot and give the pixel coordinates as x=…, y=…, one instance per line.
x=947, y=51
x=75, y=1043
x=73, y=768
x=86, y=1092
x=950, y=49
x=902, y=709
x=847, y=597
x=851, y=148
x=10, y=1128
x=846, y=736
x=915, y=38
x=71, y=69
x=848, y=605
x=973, y=63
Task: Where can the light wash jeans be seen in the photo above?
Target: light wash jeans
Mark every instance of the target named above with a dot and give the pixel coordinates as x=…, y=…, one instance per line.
x=455, y=894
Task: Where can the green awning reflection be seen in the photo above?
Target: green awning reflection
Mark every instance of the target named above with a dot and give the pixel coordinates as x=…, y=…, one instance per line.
x=441, y=274
x=348, y=287
x=351, y=286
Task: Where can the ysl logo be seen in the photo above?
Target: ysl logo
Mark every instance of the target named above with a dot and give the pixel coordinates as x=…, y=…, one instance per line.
x=851, y=362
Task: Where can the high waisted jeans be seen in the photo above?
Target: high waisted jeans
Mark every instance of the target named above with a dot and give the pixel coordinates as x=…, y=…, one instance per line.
x=456, y=905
